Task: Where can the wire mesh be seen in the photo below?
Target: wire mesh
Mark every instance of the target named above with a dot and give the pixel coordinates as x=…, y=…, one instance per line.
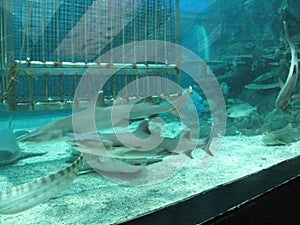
x=49, y=33
x=81, y=31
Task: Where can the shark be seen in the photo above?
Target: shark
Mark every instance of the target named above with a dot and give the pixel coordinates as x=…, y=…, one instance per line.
x=31, y=194
x=10, y=151
x=28, y=195
x=105, y=117
x=288, y=88
x=138, y=144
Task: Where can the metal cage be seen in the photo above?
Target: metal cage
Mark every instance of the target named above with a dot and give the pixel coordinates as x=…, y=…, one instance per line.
x=50, y=44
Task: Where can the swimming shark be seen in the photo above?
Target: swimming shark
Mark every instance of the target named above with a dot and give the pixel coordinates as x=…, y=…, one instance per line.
x=288, y=88
x=10, y=151
x=28, y=195
x=105, y=117
x=140, y=143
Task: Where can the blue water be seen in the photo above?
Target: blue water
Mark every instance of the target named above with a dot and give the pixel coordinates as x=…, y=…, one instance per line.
x=31, y=120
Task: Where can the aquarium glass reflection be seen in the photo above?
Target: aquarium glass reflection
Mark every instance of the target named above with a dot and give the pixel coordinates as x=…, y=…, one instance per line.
x=113, y=109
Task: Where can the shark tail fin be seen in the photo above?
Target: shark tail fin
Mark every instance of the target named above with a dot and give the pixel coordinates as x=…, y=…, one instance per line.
x=189, y=154
x=207, y=148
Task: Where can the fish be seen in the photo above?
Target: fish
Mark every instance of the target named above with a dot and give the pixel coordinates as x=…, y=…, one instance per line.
x=241, y=110
x=140, y=143
x=288, y=88
x=28, y=195
x=197, y=100
x=105, y=117
x=283, y=136
x=267, y=76
x=10, y=151
x=31, y=194
x=255, y=86
x=225, y=88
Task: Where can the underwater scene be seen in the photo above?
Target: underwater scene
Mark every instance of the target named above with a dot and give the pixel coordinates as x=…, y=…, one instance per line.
x=113, y=109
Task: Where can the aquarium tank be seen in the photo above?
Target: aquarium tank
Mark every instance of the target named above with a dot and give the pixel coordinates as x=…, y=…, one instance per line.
x=122, y=111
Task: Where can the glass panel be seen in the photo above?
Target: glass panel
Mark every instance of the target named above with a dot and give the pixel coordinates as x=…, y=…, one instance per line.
x=110, y=110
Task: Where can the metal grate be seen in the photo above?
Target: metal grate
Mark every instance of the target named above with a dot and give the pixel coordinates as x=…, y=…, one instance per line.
x=81, y=31
x=59, y=40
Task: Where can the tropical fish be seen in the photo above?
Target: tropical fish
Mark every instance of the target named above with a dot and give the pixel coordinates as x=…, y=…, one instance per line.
x=241, y=110
x=103, y=118
x=10, y=152
x=28, y=195
x=288, y=88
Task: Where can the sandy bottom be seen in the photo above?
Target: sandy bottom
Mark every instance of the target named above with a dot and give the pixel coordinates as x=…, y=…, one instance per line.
x=95, y=199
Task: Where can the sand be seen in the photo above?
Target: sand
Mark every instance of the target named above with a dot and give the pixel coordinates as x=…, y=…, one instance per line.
x=94, y=199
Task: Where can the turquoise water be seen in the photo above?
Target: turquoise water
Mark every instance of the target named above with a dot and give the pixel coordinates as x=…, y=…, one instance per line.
x=230, y=53
x=30, y=120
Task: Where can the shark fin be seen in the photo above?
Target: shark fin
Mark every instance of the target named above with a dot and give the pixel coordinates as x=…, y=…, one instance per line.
x=148, y=99
x=207, y=148
x=143, y=127
x=21, y=133
x=187, y=135
x=296, y=96
x=10, y=126
x=280, y=82
x=188, y=153
x=100, y=99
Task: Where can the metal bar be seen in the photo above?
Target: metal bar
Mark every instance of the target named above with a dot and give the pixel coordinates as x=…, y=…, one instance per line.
x=76, y=101
x=110, y=22
x=137, y=94
x=165, y=31
x=2, y=36
x=99, y=27
x=61, y=81
x=29, y=6
x=74, y=84
x=177, y=41
x=113, y=23
x=123, y=32
x=72, y=33
x=30, y=87
x=126, y=87
x=7, y=43
x=38, y=64
x=148, y=85
x=43, y=33
x=146, y=27
x=113, y=85
x=134, y=31
x=58, y=32
x=155, y=29
x=3, y=79
x=89, y=85
x=46, y=87
x=85, y=32
x=177, y=22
